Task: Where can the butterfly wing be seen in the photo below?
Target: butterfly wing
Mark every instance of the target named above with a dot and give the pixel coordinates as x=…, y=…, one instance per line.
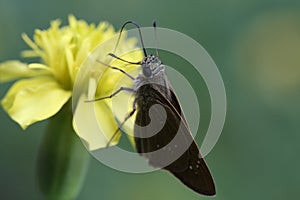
x=172, y=147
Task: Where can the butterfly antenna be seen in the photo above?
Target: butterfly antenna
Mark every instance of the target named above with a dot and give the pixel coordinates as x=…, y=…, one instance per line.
x=155, y=37
x=140, y=34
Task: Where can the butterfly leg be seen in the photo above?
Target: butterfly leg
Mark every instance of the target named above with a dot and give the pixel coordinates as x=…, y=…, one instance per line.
x=116, y=68
x=120, y=126
x=113, y=94
x=129, y=62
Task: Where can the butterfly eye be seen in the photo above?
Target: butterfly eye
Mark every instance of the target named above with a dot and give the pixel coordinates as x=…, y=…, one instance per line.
x=147, y=71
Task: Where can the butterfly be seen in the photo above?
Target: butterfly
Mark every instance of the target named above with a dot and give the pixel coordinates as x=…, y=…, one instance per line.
x=171, y=147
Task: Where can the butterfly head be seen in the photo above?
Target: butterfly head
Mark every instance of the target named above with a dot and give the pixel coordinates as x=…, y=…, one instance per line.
x=151, y=66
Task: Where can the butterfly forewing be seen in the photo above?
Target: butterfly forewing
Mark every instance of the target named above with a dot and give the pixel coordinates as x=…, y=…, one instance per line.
x=172, y=147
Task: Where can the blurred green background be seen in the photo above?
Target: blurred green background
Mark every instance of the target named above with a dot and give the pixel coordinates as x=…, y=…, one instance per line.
x=255, y=44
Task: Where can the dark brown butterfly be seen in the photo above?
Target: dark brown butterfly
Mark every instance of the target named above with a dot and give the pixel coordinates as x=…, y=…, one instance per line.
x=172, y=147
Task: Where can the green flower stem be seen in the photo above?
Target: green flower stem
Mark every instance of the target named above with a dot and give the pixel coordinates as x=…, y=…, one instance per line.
x=62, y=160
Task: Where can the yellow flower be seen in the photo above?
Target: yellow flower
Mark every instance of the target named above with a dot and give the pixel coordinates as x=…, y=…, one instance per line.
x=46, y=86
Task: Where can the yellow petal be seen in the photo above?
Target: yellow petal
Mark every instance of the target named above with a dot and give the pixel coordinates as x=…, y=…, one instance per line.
x=31, y=44
x=32, y=100
x=29, y=54
x=120, y=105
x=39, y=66
x=13, y=69
x=103, y=115
x=94, y=124
x=101, y=124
